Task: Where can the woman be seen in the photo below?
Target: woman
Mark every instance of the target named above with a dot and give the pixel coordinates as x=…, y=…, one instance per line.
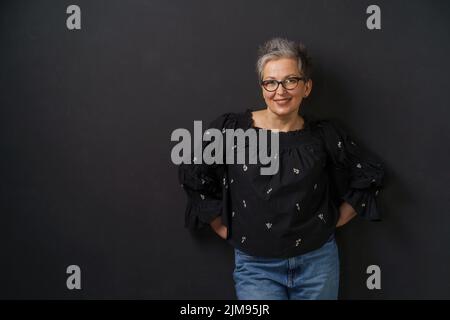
x=282, y=226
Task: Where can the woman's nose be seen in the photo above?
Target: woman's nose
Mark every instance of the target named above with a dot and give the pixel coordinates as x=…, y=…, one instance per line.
x=281, y=89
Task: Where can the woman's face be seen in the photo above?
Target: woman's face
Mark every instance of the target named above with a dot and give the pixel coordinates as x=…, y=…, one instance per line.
x=283, y=102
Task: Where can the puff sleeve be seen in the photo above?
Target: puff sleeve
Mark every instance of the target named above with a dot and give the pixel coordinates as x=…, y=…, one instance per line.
x=203, y=184
x=357, y=174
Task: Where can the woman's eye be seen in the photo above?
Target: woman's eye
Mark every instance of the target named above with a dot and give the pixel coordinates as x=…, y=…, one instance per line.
x=269, y=83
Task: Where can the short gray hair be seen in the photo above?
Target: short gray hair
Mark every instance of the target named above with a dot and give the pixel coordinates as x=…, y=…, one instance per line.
x=277, y=48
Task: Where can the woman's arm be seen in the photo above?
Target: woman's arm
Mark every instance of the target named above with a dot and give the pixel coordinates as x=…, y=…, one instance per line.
x=356, y=174
x=202, y=183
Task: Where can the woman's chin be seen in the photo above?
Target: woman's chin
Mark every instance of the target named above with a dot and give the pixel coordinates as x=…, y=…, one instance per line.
x=283, y=109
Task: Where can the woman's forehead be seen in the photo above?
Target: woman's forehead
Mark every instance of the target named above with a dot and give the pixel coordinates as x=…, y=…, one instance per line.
x=281, y=67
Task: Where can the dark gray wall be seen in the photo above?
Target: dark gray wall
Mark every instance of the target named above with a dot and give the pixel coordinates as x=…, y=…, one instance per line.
x=86, y=118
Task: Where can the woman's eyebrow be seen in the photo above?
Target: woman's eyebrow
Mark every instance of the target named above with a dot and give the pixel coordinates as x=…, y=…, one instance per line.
x=292, y=74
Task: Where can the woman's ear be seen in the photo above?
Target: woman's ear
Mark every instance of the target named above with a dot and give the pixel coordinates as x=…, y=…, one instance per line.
x=308, y=88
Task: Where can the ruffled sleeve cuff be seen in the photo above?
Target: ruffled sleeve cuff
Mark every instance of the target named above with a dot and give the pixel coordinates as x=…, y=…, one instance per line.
x=364, y=203
x=201, y=184
x=200, y=214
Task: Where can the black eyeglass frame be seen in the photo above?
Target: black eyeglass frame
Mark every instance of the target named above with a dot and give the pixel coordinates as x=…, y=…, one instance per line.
x=282, y=83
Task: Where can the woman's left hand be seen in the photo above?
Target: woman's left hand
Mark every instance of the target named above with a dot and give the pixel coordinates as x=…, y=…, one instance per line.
x=346, y=214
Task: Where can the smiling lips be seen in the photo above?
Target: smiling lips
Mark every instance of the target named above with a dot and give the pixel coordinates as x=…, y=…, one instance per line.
x=282, y=101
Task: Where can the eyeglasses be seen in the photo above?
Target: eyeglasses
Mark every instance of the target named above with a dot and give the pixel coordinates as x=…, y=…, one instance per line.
x=289, y=83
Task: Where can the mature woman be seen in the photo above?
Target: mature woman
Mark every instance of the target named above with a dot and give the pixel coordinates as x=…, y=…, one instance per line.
x=282, y=226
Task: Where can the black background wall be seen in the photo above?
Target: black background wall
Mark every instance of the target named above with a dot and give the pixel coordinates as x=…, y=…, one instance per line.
x=86, y=118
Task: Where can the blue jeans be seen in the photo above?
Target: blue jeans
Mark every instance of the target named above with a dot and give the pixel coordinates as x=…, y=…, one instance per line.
x=313, y=275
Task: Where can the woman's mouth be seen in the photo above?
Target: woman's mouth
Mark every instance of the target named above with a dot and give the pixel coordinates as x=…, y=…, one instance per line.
x=282, y=101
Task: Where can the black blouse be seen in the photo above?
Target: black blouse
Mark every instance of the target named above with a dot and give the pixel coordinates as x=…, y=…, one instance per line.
x=295, y=210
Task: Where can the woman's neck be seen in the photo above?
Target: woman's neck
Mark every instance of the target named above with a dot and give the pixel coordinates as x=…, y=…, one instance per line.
x=288, y=122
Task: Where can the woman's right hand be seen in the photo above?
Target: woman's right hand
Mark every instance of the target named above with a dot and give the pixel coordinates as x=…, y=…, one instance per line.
x=219, y=227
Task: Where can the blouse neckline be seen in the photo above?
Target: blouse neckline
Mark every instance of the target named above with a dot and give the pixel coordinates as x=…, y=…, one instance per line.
x=306, y=124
